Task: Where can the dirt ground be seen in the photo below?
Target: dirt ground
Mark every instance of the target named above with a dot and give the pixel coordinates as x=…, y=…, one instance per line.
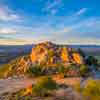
x=15, y=84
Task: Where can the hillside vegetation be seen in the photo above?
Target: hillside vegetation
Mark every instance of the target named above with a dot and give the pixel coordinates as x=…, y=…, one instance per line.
x=51, y=58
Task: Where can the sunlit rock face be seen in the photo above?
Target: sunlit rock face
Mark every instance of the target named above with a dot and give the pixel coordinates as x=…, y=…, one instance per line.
x=77, y=58
x=23, y=64
x=39, y=54
x=64, y=55
x=48, y=53
x=18, y=67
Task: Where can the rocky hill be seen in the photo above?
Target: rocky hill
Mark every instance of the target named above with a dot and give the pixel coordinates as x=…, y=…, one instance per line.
x=46, y=54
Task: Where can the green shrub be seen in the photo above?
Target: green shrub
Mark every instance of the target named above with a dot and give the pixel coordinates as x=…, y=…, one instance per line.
x=44, y=85
x=72, y=67
x=84, y=70
x=3, y=69
x=92, y=90
x=91, y=60
x=50, y=53
x=72, y=71
x=34, y=71
x=60, y=69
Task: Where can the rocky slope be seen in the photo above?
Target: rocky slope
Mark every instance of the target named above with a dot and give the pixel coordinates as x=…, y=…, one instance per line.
x=46, y=54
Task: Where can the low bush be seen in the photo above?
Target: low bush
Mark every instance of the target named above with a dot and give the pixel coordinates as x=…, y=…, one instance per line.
x=84, y=70
x=61, y=70
x=72, y=71
x=34, y=71
x=92, y=90
x=3, y=69
x=44, y=85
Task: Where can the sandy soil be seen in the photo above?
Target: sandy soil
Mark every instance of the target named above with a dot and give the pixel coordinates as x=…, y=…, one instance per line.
x=68, y=81
x=13, y=85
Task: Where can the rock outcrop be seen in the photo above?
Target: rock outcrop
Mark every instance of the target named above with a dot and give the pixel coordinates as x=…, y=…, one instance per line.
x=49, y=54
x=46, y=54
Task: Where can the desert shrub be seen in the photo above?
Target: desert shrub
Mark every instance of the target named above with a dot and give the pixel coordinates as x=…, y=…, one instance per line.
x=92, y=90
x=91, y=60
x=3, y=69
x=72, y=67
x=61, y=70
x=97, y=67
x=34, y=71
x=72, y=71
x=28, y=97
x=44, y=85
x=50, y=53
x=84, y=70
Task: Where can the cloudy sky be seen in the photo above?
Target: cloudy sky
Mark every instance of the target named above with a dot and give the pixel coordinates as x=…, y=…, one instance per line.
x=60, y=21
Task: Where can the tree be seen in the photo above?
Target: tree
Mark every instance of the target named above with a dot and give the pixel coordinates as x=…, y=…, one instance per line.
x=81, y=52
x=91, y=60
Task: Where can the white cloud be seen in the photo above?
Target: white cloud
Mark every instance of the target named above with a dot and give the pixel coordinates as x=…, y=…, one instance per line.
x=14, y=42
x=7, y=31
x=60, y=40
x=80, y=40
x=7, y=14
x=53, y=4
x=81, y=11
x=52, y=7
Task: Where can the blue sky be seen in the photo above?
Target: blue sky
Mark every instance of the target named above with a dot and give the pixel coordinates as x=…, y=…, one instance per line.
x=60, y=21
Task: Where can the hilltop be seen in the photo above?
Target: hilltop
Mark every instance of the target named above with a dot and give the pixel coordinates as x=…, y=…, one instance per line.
x=46, y=54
